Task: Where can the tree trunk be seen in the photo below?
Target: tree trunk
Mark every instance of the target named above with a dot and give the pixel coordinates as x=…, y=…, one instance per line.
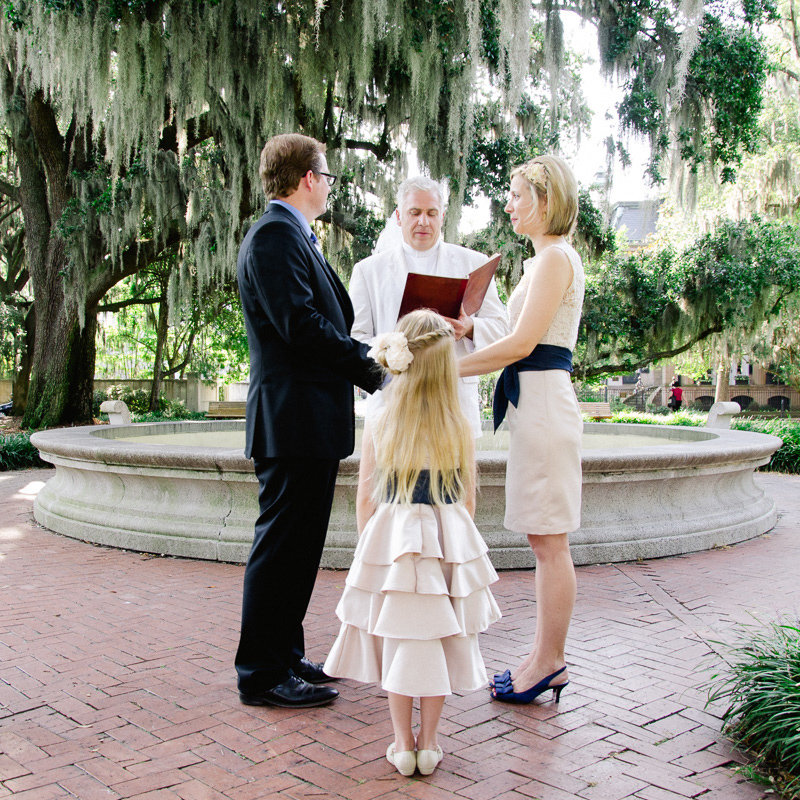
x=161, y=340
x=22, y=380
x=722, y=392
x=62, y=380
x=80, y=374
x=62, y=357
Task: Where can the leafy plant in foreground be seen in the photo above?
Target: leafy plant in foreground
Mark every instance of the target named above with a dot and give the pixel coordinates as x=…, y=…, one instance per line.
x=17, y=452
x=762, y=691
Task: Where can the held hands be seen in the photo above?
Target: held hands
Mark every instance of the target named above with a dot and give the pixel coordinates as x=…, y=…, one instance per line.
x=463, y=326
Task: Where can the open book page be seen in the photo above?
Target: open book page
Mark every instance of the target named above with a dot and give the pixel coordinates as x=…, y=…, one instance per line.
x=478, y=285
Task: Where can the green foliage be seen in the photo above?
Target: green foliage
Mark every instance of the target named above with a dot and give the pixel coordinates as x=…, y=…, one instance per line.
x=683, y=418
x=652, y=305
x=155, y=119
x=785, y=459
x=495, y=151
x=768, y=175
x=12, y=332
x=175, y=411
x=728, y=70
x=486, y=386
x=17, y=452
x=712, y=102
x=138, y=402
x=205, y=333
x=594, y=238
x=762, y=690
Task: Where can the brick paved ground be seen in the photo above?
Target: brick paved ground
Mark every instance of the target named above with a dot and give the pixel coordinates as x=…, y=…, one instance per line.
x=116, y=680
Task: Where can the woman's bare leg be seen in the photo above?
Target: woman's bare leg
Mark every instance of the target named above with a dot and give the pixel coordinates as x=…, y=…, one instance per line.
x=555, y=600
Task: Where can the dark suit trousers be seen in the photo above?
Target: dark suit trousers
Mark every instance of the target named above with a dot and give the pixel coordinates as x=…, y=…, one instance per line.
x=295, y=498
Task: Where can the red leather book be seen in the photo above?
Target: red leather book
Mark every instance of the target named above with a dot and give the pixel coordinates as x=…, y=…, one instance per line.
x=447, y=295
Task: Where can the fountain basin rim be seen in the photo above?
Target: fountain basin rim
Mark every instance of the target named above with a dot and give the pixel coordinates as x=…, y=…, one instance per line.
x=686, y=447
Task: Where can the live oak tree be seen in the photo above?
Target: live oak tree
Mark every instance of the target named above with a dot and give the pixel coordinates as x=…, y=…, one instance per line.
x=736, y=290
x=759, y=321
x=135, y=126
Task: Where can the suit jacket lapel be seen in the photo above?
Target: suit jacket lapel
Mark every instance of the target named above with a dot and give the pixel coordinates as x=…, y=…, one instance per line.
x=336, y=283
x=328, y=270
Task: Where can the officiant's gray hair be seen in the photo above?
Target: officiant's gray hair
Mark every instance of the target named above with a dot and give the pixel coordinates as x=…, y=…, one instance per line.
x=420, y=184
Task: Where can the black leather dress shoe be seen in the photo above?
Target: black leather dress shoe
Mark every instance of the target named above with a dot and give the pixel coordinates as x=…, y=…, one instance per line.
x=311, y=672
x=292, y=693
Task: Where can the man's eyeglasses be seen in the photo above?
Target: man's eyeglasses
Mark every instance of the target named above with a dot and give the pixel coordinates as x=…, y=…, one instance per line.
x=328, y=177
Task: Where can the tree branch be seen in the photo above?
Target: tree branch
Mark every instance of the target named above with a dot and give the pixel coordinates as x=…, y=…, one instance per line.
x=174, y=370
x=648, y=358
x=380, y=149
x=786, y=71
x=133, y=301
x=347, y=222
x=138, y=256
x=17, y=303
x=50, y=144
x=9, y=191
x=10, y=211
x=197, y=130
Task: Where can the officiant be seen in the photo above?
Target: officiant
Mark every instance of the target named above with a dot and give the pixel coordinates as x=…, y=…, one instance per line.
x=377, y=283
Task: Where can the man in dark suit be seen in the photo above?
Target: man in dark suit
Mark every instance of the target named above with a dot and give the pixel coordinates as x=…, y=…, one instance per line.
x=299, y=418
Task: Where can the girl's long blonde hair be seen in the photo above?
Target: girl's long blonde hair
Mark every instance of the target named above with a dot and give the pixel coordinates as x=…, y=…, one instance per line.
x=422, y=425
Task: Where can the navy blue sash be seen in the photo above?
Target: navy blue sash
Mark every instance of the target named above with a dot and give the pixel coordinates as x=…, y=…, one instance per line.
x=422, y=491
x=544, y=356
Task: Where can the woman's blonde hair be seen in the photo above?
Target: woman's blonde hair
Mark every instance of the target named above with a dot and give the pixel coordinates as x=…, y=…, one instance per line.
x=550, y=177
x=422, y=425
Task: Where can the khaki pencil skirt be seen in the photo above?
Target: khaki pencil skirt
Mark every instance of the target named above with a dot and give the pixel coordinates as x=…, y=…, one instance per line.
x=543, y=478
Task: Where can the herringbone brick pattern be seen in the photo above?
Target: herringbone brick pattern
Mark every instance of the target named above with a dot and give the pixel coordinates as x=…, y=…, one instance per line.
x=116, y=681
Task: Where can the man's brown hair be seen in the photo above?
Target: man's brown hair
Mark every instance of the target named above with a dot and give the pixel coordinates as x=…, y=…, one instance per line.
x=285, y=159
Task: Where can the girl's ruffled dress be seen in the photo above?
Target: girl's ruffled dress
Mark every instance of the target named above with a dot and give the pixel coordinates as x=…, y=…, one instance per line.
x=415, y=599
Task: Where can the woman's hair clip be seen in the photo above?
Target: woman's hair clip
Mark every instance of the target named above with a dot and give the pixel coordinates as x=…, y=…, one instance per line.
x=537, y=174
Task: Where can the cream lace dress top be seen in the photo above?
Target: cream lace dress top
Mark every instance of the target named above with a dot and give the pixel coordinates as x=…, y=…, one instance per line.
x=563, y=330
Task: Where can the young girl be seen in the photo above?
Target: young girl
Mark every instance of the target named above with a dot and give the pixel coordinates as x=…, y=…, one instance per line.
x=417, y=594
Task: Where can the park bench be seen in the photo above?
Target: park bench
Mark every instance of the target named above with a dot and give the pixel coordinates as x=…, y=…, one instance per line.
x=226, y=409
x=596, y=410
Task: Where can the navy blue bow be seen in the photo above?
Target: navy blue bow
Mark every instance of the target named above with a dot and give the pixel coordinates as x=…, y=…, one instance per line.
x=544, y=356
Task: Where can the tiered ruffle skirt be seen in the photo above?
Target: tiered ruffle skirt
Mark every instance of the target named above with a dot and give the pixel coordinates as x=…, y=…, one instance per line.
x=415, y=599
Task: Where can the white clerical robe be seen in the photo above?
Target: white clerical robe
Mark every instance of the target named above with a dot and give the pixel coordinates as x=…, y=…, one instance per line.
x=376, y=289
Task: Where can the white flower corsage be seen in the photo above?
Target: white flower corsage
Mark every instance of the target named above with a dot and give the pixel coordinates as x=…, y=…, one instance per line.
x=392, y=350
x=537, y=174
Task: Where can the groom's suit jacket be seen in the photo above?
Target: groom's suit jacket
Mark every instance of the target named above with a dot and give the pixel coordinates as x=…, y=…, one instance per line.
x=303, y=363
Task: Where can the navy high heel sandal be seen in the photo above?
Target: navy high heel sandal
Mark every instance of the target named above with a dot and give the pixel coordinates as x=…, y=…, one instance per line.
x=500, y=679
x=505, y=693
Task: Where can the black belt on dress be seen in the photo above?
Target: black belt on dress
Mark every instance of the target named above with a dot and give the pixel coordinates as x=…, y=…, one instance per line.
x=544, y=356
x=422, y=491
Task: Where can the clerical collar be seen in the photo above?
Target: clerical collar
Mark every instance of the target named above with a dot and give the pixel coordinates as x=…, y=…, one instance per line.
x=422, y=255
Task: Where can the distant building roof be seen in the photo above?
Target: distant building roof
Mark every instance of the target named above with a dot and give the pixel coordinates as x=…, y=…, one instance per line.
x=637, y=217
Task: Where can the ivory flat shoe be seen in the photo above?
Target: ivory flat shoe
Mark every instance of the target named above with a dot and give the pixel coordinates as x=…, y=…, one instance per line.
x=428, y=760
x=404, y=762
